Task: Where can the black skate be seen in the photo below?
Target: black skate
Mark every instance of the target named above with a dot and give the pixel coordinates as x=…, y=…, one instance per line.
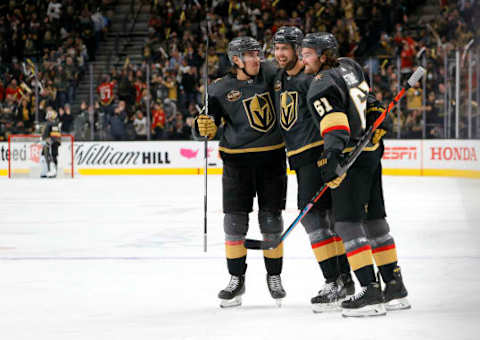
x=231, y=296
x=274, y=283
x=346, y=286
x=367, y=302
x=395, y=293
x=328, y=298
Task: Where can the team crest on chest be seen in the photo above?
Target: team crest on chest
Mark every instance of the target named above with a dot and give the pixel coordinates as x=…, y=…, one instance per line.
x=260, y=112
x=289, y=109
x=233, y=95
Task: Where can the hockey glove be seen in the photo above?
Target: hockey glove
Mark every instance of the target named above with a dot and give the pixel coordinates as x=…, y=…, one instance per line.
x=328, y=165
x=206, y=126
x=373, y=113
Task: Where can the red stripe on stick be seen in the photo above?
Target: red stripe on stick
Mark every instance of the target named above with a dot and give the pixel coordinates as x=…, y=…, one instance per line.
x=400, y=95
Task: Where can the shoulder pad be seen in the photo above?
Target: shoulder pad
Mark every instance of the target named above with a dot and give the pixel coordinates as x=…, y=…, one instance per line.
x=322, y=86
x=349, y=62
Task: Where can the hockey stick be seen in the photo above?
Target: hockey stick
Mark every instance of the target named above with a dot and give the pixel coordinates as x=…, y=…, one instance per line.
x=205, y=142
x=341, y=169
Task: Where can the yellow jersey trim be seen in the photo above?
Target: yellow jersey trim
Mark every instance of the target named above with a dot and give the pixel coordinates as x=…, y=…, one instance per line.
x=259, y=149
x=303, y=148
x=368, y=148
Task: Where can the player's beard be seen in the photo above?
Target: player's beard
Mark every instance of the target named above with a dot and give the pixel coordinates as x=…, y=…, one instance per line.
x=291, y=64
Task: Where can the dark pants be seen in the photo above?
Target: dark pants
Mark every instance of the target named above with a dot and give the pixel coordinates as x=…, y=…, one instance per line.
x=360, y=195
x=267, y=182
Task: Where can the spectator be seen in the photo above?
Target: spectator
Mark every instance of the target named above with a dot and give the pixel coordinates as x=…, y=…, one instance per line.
x=414, y=125
x=117, y=122
x=106, y=91
x=158, y=121
x=414, y=97
x=66, y=118
x=140, y=124
x=434, y=120
x=25, y=116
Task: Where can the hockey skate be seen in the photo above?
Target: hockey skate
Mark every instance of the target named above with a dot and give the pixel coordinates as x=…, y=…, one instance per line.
x=52, y=173
x=395, y=293
x=328, y=298
x=346, y=286
x=367, y=302
x=274, y=283
x=231, y=296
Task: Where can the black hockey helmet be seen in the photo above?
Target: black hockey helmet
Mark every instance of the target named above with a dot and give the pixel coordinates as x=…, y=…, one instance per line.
x=240, y=45
x=321, y=42
x=288, y=35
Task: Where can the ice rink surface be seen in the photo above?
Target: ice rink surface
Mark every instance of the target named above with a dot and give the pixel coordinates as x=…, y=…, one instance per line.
x=122, y=258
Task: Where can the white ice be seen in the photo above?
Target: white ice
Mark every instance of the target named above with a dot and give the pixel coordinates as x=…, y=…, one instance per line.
x=122, y=258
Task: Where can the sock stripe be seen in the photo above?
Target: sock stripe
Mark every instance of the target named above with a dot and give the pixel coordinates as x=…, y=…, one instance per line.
x=234, y=243
x=384, y=248
x=275, y=253
x=360, y=257
x=235, y=249
x=323, y=243
x=359, y=250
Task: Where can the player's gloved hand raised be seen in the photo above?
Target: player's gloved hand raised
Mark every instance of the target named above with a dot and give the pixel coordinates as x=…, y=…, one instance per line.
x=328, y=165
x=206, y=126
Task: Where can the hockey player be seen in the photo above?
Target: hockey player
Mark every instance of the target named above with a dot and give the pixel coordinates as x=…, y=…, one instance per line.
x=375, y=225
x=254, y=162
x=304, y=148
x=337, y=98
x=51, y=138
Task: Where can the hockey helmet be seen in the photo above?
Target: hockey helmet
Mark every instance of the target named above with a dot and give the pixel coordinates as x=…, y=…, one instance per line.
x=321, y=42
x=240, y=45
x=288, y=35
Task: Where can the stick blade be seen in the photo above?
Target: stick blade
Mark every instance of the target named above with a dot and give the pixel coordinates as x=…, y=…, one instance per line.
x=416, y=76
x=259, y=245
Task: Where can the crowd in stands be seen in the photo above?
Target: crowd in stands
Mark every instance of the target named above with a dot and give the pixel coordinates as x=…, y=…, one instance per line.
x=373, y=32
x=49, y=43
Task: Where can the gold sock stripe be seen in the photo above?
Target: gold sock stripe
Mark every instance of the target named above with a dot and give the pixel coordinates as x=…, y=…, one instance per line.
x=325, y=249
x=339, y=246
x=360, y=257
x=235, y=249
x=385, y=255
x=275, y=253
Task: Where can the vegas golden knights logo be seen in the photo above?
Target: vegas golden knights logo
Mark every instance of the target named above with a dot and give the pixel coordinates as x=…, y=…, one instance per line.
x=289, y=109
x=260, y=113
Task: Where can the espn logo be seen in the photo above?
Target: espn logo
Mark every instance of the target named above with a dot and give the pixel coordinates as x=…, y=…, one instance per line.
x=400, y=153
x=453, y=154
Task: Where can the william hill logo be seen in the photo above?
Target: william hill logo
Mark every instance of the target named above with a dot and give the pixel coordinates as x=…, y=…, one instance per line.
x=96, y=154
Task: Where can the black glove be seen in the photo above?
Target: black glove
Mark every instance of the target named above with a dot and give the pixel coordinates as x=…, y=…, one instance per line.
x=373, y=113
x=328, y=165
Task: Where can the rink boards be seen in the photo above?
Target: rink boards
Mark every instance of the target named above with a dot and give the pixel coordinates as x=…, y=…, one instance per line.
x=456, y=158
